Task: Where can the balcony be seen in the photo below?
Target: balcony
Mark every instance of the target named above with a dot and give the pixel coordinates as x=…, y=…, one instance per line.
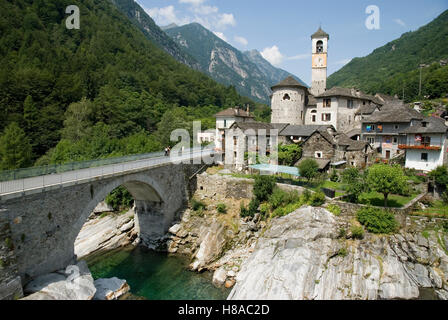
x=419, y=146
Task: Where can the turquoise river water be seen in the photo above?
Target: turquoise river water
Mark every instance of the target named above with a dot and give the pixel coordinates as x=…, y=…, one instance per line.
x=156, y=276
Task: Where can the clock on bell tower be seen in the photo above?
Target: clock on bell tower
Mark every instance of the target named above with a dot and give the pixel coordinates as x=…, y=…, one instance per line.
x=319, y=62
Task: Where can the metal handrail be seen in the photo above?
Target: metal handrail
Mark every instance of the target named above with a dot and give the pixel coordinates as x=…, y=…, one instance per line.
x=95, y=171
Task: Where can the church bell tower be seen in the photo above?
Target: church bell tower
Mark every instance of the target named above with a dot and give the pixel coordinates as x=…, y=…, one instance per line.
x=319, y=63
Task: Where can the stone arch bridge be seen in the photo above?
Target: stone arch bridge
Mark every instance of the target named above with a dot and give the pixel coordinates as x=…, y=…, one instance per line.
x=40, y=217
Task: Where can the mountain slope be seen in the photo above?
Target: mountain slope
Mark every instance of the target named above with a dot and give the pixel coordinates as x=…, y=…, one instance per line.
x=129, y=83
x=251, y=75
x=373, y=73
x=143, y=21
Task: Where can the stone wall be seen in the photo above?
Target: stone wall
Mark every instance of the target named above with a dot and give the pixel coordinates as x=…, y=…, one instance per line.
x=10, y=283
x=317, y=143
x=221, y=187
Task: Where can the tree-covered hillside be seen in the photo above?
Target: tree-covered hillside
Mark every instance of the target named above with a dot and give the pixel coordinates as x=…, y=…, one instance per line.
x=98, y=91
x=395, y=66
x=143, y=21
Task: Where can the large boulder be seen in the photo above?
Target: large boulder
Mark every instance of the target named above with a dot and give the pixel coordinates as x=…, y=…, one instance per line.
x=73, y=283
x=110, y=289
x=212, y=239
x=301, y=258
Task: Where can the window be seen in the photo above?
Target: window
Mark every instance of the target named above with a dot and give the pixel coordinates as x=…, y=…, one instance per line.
x=327, y=103
x=424, y=124
x=313, y=118
x=424, y=157
x=326, y=116
x=363, y=103
x=426, y=141
x=225, y=123
x=370, y=127
x=319, y=46
x=395, y=140
x=397, y=127
x=371, y=140
x=286, y=97
x=350, y=104
x=318, y=154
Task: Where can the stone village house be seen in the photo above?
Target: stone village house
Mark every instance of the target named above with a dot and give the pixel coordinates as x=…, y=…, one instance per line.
x=425, y=144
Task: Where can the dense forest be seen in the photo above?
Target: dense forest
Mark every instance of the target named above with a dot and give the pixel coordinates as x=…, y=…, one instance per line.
x=102, y=90
x=394, y=68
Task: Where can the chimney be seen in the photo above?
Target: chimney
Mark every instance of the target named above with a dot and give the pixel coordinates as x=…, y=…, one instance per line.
x=248, y=109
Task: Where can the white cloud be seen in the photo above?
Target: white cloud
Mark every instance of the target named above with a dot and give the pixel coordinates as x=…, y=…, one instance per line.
x=241, y=40
x=207, y=15
x=273, y=55
x=300, y=57
x=225, y=19
x=164, y=16
x=220, y=35
x=193, y=2
x=400, y=22
x=205, y=10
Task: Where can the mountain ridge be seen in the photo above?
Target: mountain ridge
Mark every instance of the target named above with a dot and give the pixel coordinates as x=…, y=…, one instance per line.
x=385, y=68
x=248, y=71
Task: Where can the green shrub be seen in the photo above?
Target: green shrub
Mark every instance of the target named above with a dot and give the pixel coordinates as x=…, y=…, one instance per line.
x=334, y=176
x=317, y=199
x=425, y=234
x=342, y=233
x=283, y=211
x=334, y=209
x=281, y=198
x=197, y=205
x=265, y=209
x=263, y=187
x=221, y=208
x=377, y=220
x=251, y=210
x=445, y=226
x=357, y=232
x=306, y=195
x=119, y=198
x=343, y=252
x=309, y=169
x=444, y=197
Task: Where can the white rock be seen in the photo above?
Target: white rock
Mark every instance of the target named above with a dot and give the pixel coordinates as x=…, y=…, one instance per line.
x=78, y=284
x=103, y=207
x=128, y=226
x=110, y=289
x=296, y=259
x=219, y=276
x=174, y=229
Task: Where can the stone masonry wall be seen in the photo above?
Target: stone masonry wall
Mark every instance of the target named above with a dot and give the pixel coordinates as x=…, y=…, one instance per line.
x=10, y=283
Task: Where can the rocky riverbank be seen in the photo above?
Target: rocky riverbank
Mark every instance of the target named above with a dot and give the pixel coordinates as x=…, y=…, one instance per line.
x=105, y=231
x=74, y=283
x=302, y=256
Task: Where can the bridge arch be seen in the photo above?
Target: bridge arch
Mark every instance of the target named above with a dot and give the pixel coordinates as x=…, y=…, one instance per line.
x=147, y=194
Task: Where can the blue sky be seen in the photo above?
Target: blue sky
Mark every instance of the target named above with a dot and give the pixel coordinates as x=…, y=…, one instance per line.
x=281, y=29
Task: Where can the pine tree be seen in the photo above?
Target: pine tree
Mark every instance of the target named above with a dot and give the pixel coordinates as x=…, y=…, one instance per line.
x=15, y=148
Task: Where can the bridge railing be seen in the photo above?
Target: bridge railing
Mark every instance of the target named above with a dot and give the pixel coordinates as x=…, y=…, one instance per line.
x=49, y=176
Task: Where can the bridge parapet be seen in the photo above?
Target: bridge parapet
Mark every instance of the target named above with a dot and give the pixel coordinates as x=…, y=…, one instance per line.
x=67, y=175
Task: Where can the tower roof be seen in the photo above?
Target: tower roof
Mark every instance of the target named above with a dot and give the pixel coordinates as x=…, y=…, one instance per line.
x=320, y=34
x=288, y=82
